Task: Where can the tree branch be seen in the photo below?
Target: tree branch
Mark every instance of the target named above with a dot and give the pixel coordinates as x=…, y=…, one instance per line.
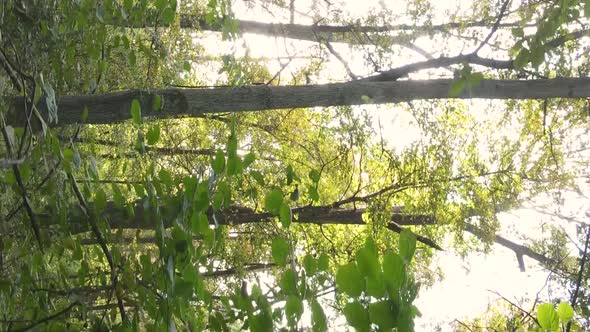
x=48, y=318
x=102, y=243
x=574, y=298
x=494, y=27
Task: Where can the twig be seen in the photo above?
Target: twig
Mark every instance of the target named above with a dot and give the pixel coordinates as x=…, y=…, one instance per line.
x=464, y=325
x=495, y=27
x=516, y=306
x=580, y=275
x=20, y=182
x=102, y=242
x=48, y=318
x=339, y=57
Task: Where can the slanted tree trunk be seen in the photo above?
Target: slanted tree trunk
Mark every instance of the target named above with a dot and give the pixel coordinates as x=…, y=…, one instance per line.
x=115, y=107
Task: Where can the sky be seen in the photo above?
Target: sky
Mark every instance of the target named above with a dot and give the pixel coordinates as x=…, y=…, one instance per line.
x=470, y=284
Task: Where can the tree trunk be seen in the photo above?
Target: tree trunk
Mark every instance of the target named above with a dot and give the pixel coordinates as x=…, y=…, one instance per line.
x=334, y=33
x=318, y=215
x=115, y=107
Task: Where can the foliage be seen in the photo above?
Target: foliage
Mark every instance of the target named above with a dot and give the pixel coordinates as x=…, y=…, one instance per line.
x=271, y=220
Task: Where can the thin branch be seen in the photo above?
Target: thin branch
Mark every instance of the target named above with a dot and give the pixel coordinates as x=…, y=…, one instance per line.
x=20, y=183
x=232, y=271
x=580, y=275
x=48, y=318
x=10, y=71
x=342, y=61
x=472, y=58
x=464, y=325
x=101, y=242
x=528, y=314
x=401, y=186
x=494, y=27
x=403, y=71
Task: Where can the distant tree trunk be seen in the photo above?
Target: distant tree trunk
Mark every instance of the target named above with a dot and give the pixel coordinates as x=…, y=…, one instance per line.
x=115, y=107
x=352, y=34
x=317, y=215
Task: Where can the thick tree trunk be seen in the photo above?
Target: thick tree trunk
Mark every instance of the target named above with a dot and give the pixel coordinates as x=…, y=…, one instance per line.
x=115, y=107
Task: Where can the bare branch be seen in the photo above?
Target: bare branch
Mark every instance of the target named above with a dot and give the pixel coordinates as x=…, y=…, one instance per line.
x=574, y=298
x=48, y=318
x=494, y=27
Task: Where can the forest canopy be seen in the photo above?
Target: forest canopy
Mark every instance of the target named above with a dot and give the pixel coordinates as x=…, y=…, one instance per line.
x=181, y=165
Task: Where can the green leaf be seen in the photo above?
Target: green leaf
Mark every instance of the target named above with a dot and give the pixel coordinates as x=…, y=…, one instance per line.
x=293, y=309
x=349, y=280
x=318, y=318
x=234, y=164
x=186, y=66
x=314, y=175
x=309, y=264
x=157, y=103
x=587, y=8
x=367, y=262
x=547, y=317
x=262, y=323
x=100, y=201
x=131, y=58
x=393, y=269
x=136, y=111
x=199, y=223
x=382, y=314
x=474, y=79
x=518, y=32
x=285, y=215
x=273, y=201
x=290, y=174
x=313, y=193
x=537, y=56
x=407, y=244
x=218, y=163
x=84, y=114
x=201, y=198
x=165, y=177
x=38, y=94
x=153, y=135
x=183, y=288
x=357, y=316
x=258, y=177
x=248, y=159
x=376, y=286
x=232, y=145
x=565, y=312
x=117, y=196
x=280, y=251
x=521, y=59
x=288, y=282
x=457, y=88
x=323, y=262
x=168, y=15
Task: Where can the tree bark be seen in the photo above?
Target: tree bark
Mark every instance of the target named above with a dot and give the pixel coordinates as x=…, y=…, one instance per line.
x=115, y=107
x=352, y=34
x=318, y=215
